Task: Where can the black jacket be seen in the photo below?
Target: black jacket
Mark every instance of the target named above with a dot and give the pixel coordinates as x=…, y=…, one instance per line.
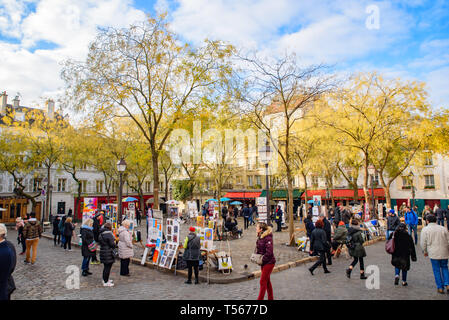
x=327, y=228
x=96, y=225
x=192, y=252
x=392, y=222
x=87, y=237
x=231, y=225
x=440, y=213
x=224, y=212
x=403, y=250
x=337, y=215
x=55, y=231
x=309, y=226
x=318, y=240
x=107, y=244
x=68, y=229
x=246, y=212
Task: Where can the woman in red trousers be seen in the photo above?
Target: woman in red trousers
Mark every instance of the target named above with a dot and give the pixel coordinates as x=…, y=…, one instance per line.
x=264, y=246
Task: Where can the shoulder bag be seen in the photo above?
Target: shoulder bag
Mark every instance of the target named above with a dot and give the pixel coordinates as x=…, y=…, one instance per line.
x=256, y=258
x=390, y=246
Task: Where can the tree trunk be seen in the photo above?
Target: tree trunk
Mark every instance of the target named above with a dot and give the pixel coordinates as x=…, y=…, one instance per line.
x=47, y=202
x=155, y=179
x=305, y=195
x=291, y=227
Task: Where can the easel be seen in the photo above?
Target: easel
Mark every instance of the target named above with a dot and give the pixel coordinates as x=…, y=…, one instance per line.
x=207, y=263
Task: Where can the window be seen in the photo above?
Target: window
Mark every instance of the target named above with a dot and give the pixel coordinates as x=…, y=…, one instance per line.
x=37, y=184
x=83, y=166
x=250, y=181
x=62, y=185
x=239, y=180
x=114, y=187
x=428, y=159
x=406, y=182
x=376, y=179
x=147, y=186
x=99, y=184
x=258, y=181
x=83, y=186
x=314, y=180
x=429, y=181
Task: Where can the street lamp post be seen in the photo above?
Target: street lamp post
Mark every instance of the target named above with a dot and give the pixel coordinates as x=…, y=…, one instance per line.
x=372, y=171
x=265, y=157
x=410, y=177
x=121, y=167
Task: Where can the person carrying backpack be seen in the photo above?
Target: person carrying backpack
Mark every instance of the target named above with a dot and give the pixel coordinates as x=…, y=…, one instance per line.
x=354, y=243
x=411, y=220
x=61, y=230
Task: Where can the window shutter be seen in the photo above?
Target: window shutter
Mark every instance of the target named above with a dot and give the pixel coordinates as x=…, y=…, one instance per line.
x=437, y=182
x=421, y=182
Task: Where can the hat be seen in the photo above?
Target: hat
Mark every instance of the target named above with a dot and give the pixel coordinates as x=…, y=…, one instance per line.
x=192, y=229
x=341, y=223
x=391, y=211
x=338, y=204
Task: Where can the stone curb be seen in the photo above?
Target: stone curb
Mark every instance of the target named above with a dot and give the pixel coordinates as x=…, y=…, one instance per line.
x=243, y=277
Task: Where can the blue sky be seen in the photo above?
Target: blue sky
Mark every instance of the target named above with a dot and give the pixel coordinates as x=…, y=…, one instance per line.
x=412, y=41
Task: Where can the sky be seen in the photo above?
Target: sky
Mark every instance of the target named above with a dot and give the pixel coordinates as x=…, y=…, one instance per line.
x=401, y=38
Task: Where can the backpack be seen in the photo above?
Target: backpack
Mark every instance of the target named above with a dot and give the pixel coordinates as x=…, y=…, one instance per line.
x=350, y=242
x=61, y=226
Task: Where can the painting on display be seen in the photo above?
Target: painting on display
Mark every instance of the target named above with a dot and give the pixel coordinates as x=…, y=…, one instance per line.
x=208, y=239
x=172, y=230
x=168, y=255
x=200, y=221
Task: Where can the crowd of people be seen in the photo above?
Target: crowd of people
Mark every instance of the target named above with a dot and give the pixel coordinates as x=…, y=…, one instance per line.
x=326, y=242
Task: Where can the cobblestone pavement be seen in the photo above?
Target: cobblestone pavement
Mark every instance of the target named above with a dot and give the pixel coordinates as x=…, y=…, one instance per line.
x=46, y=280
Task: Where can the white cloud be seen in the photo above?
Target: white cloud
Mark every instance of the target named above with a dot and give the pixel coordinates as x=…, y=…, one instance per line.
x=71, y=25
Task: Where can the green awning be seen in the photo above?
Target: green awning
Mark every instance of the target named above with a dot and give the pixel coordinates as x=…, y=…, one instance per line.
x=282, y=194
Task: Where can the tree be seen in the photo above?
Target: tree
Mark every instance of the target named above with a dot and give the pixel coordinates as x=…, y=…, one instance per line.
x=17, y=161
x=284, y=89
x=146, y=73
x=45, y=144
x=372, y=115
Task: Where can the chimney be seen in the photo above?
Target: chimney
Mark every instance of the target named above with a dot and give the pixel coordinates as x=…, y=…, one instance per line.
x=4, y=102
x=50, y=109
x=16, y=102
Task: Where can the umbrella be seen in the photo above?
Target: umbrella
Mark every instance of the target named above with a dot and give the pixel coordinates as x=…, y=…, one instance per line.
x=151, y=200
x=212, y=200
x=130, y=199
x=310, y=201
x=225, y=199
x=236, y=202
x=171, y=202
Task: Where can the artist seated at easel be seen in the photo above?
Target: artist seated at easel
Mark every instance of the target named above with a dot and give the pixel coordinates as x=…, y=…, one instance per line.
x=339, y=238
x=232, y=226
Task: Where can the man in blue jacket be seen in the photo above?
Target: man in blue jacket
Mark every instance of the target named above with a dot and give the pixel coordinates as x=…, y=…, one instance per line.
x=411, y=220
x=246, y=215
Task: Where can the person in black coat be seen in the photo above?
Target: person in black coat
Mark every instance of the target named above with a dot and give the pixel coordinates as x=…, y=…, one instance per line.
x=236, y=212
x=278, y=218
x=8, y=260
x=87, y=238
x=319, y=246
x=232, y=226
x=56, y=233
x=224, y=213
x=246, y=215
x=328, y=229
x=309, y=225
x=107, y=245
x=68, y=231
x=96, y=231
x=404, y=249
x=392, y=222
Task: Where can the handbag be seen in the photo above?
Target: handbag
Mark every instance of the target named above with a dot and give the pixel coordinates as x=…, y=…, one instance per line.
x=92, y=246
x=390, y=246
x=256, y=258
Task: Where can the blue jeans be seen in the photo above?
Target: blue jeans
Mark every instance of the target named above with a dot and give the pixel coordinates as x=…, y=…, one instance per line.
x=440, y=272
x=85, y=265
x=441, y=222
x=413, y=228
x=397, y=271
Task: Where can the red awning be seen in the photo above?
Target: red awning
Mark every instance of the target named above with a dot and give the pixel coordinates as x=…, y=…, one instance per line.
x=344, y=193
x=242, y=195
x=311, y=193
